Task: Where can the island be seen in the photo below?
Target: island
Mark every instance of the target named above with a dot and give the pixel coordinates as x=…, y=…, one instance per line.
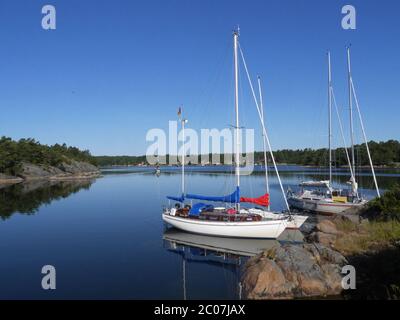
x=27, y=160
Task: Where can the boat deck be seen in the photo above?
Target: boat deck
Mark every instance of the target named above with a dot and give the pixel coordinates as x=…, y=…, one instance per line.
x=218, y=215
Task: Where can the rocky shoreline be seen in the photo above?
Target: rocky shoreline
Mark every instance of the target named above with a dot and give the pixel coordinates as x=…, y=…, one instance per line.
x=73, y=170
x=292, y=271
x=309, y=270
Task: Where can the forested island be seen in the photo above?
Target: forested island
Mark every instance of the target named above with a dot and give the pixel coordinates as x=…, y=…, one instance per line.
x=27, y=159
x=383, y=153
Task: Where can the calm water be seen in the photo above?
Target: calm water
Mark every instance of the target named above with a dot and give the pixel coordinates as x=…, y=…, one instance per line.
x=107, y=241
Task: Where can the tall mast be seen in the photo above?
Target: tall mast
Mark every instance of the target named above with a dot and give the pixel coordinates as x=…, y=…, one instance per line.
x=264, y=131
x=342, y=134
x=237, y=160
x=351, y=119
x=183, y=121
x=183, y=157
x=330, y=116
x=263, y=135
x=363, y=131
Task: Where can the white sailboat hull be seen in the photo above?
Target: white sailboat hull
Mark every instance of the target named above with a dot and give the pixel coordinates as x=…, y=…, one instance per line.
x=322, y=205
x=266, y=229
x=294, y=221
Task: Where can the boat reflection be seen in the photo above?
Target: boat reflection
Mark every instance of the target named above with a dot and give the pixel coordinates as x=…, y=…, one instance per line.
x=227, y=254
x=176, y=239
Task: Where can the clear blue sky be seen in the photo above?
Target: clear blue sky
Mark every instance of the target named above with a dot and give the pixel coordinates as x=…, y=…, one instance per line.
x=114, y=69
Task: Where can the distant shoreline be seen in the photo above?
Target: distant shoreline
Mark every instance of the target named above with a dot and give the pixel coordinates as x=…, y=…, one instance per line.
x=384, y=153
x=258, y=165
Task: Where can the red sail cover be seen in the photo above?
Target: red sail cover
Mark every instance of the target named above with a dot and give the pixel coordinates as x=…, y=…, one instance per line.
x=262, y=201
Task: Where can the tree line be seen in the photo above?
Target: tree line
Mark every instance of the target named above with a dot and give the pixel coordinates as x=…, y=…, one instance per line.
x=104, y=161
x=14, y=153
x=383, y=154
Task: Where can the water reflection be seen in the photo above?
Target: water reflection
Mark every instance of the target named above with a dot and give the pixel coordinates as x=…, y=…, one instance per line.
x=28, y=197
x=226, y=254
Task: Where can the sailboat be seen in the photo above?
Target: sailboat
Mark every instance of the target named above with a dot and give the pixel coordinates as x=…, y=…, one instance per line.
x=321, y=196
x=231, y=220
x=295, y=220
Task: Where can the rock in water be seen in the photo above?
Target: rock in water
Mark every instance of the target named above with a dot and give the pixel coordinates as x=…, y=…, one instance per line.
x=294, y=271
x=266, y=279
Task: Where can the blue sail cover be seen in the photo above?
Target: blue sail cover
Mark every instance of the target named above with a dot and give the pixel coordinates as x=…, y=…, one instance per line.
x=232, y=198
x=180, y=199
x=199, y=207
